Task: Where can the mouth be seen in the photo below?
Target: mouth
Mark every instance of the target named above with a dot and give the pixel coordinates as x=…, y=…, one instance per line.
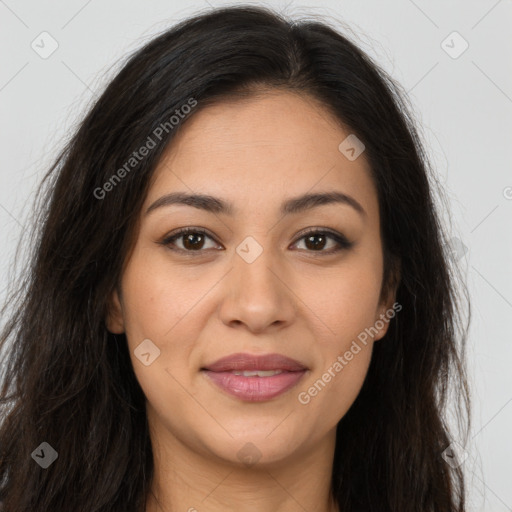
x=254, y=378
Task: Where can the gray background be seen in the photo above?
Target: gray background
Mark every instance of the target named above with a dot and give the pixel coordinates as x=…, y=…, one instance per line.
x=464, y=105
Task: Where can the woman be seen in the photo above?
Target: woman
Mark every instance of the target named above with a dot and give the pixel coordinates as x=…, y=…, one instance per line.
x=239, y=297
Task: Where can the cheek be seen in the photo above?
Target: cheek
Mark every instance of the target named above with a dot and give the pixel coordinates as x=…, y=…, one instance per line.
x=330, y=394
x=346, y=300
x=345, y=351
x=347, y=304
x=158, y=298
x=158, y=306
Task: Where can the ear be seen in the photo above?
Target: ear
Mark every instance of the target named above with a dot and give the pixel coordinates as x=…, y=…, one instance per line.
x=388, y=307
x=114, y=317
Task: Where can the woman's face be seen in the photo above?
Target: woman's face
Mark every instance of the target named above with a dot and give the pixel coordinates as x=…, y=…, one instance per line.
x=254, y=282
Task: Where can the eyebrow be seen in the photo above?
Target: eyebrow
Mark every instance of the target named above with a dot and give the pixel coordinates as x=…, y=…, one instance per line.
x=293, y=205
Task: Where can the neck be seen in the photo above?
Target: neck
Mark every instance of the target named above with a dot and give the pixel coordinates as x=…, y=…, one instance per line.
x=186, y=480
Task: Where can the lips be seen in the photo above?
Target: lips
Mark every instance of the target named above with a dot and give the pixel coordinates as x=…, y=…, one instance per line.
x=255, y=378
x=248, y=362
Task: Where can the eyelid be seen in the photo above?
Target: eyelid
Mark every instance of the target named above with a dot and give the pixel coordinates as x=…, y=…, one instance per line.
x=339, y=238
x=174, y=235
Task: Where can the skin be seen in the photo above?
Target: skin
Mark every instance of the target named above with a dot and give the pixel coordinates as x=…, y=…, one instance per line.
x=293, y=299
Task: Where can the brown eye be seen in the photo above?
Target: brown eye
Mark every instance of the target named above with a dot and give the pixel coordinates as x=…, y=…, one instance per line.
x=193, y=241
x=188, y=240
x=317, y=241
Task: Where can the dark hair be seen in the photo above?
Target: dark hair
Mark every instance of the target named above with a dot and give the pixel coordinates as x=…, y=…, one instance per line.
x=68, y=381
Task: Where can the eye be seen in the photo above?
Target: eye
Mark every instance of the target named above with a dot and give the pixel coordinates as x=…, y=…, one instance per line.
x=192, y=240
x=316, y=241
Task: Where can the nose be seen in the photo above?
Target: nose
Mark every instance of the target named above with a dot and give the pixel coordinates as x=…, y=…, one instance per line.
x=256, y=295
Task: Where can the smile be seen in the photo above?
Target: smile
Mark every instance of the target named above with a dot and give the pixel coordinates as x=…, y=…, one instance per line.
x=255, y=388
x=255, y=378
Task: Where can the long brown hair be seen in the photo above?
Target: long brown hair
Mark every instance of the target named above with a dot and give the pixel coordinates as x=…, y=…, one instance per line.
x=68, y=382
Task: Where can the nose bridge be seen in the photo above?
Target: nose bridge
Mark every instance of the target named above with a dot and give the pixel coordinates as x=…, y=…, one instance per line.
x=255, y=266
x=255, y=269
x=257, y=295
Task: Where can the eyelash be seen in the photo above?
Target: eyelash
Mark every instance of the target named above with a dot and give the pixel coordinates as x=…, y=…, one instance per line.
x=341, y=240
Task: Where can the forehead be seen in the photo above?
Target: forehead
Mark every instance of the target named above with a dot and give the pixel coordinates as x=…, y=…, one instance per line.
x=261, y=149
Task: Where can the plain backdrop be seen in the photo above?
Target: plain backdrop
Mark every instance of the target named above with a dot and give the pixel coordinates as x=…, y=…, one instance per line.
x=452, y=57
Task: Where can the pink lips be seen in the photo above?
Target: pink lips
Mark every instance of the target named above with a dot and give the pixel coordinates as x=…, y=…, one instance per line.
x=255, y=388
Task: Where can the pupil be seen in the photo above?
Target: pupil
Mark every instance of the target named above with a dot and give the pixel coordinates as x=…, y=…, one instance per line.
x=315, y=245
x=189, y=239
